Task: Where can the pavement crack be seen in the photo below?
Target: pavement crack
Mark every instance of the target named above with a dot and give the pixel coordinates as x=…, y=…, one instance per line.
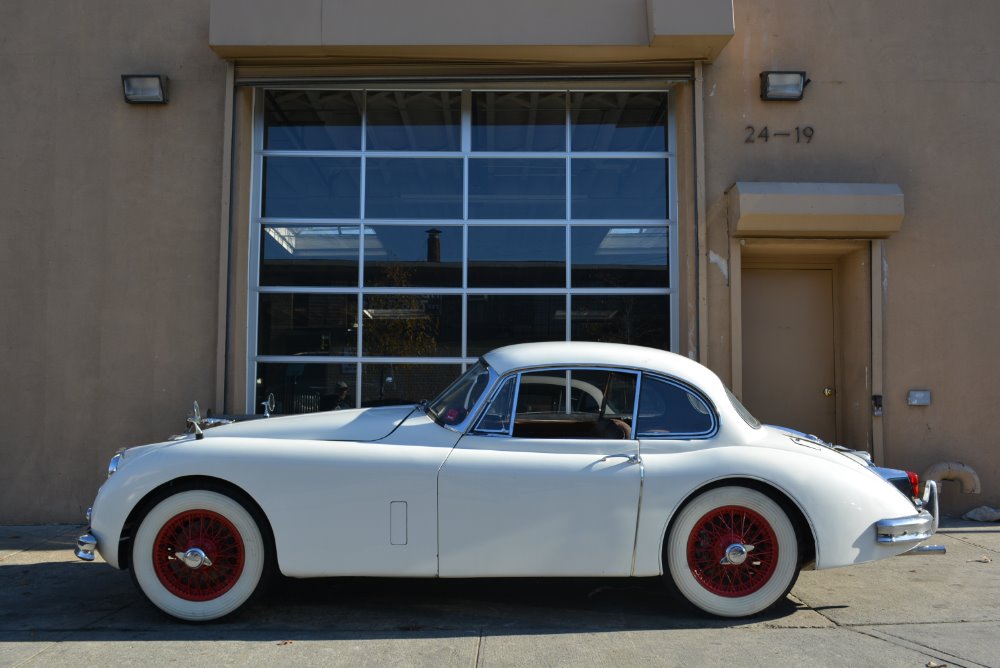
x=479, y=650
x=936, y=654
x=966, y=541
x=860, y=625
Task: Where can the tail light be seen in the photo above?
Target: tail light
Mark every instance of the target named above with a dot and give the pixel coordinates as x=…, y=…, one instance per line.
x=914, y=483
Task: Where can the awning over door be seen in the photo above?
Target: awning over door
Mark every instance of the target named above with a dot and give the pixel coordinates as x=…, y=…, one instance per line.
x=815, y=210
x=585, y=31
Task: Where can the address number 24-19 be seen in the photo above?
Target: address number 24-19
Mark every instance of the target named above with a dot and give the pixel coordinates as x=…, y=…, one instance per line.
x=803, y=134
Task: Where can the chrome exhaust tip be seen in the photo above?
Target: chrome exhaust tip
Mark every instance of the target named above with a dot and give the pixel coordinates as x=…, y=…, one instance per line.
x=925, y=549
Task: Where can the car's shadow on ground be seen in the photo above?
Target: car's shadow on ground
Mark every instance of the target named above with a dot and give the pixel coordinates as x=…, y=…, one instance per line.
x=45, y=598
x=503, y=605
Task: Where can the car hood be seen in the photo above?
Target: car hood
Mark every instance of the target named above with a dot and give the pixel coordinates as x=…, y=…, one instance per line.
x=364, y=424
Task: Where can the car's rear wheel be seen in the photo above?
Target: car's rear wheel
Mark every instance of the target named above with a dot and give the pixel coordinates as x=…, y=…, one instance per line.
x=732, y=551
x=199, y=555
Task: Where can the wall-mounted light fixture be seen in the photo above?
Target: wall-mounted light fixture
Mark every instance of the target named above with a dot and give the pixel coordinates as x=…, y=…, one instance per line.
x=786, y=85
x=145, y=88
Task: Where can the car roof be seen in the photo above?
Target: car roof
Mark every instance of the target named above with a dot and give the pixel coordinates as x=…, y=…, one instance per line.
x=586, y=353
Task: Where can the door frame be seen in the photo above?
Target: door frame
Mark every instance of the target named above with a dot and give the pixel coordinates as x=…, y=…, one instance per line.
x=818, y=253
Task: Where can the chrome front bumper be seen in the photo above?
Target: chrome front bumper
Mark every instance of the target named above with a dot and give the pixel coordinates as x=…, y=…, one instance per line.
x=86, y=546
x=914, y=528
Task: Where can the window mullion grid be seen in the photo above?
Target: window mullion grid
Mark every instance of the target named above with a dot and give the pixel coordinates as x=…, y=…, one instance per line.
x=466, y=151
x=673, y=211
x=359, y=313
x=253, y=270
x=569, y=216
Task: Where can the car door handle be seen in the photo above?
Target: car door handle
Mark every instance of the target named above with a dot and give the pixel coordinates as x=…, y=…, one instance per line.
x=632, y=459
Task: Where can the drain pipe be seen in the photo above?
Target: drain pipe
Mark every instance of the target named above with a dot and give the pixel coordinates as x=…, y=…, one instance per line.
x=961, y=473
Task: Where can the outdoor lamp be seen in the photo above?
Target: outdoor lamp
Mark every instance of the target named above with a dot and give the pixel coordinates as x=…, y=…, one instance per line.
x=786, y=86
x=145, y=88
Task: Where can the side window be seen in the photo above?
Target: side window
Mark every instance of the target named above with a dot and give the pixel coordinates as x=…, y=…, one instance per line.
x=496, y=419
x=575, y=403
x=668, y=409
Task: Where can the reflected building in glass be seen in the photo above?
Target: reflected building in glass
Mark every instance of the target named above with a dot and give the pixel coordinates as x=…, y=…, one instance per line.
x=403, y=233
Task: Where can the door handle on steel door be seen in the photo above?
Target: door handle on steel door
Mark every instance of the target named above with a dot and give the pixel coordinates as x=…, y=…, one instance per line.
x=632, y=459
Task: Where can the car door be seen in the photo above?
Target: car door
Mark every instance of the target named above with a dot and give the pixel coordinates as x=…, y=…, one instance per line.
x=546, y=482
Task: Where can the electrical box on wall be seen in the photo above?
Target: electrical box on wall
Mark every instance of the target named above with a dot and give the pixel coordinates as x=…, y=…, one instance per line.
x=918, y=398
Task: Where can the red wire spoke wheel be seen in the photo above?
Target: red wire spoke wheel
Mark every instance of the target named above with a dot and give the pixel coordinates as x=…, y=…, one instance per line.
x=213, y=535
x=200, y=554
x=711, y=539
x=732, y=551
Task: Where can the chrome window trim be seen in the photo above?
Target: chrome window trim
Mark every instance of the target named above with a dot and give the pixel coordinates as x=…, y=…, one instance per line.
x=492, y=395
x=494, y=389
x=713, y=412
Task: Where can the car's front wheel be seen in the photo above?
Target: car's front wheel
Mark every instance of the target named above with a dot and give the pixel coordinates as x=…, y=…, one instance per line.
x=732, y=551
x=199, y=555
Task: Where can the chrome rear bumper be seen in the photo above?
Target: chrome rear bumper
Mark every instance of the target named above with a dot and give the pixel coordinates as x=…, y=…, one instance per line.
x=914, y=528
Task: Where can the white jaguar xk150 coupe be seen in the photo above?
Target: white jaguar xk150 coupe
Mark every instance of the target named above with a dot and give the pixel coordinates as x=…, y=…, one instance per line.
x=543, y=459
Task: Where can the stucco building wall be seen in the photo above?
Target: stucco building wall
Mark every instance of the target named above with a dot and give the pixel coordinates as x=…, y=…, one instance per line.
x=904, y=93
x=114, y=214
x=110, y=227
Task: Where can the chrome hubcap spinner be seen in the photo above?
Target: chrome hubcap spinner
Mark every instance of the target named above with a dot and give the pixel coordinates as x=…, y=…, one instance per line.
x=194, y=558
x=736, y=554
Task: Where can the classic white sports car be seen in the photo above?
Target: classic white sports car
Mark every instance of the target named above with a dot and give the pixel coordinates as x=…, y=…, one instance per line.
x=545, y=459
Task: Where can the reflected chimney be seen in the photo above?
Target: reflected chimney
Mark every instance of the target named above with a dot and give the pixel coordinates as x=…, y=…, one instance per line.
x=433, y=245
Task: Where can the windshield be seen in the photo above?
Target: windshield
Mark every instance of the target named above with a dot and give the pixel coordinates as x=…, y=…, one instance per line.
x=741, y=409
x=453, y=405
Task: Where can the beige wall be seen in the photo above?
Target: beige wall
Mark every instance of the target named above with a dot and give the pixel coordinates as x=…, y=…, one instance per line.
x=109, y=259
x=111, y=216
x=902, y=92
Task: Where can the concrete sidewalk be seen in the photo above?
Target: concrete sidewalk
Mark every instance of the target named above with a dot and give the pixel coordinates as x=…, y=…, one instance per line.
x=910, y=611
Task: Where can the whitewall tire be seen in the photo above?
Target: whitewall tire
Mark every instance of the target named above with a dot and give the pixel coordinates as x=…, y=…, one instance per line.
x=732, y=551
x=198, y=555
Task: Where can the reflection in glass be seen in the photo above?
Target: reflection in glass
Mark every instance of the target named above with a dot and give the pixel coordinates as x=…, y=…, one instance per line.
x=600, y=403
x=519, y=188
x=452, y=406
x=413, y=188
x=412, y=325
x=393, y=384
x=642, y=320
x=408, y=256
x=611, y=121
x=306, y=387
x=609, y=257
x=669, y=410
x=619, y=188
x=519, y=121
x=311, y=187
x=414, y=121
x=517, y=256
x=319, y=256
x=307, y=324
x=500, y=320
x=312, y=120
x=496, y=417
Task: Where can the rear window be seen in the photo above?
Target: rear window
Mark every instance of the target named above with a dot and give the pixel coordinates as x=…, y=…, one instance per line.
x=671, y=410
x=741, y=409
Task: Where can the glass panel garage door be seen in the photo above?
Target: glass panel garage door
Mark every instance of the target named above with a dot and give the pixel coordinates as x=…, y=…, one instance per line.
x=399, y=234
